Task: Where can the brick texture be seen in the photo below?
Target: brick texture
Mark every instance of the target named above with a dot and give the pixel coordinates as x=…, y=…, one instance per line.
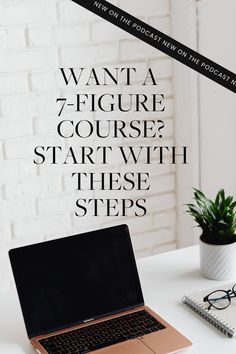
x=38, y=202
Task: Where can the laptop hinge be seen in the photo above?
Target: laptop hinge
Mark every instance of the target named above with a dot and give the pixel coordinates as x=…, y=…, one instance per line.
x=89, y=320
x=86, y=321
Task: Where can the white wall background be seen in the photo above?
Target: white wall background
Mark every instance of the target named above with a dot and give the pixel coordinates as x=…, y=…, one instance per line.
x=217, y=105
x=205, y=112
x=37, y=202
x=37, y=37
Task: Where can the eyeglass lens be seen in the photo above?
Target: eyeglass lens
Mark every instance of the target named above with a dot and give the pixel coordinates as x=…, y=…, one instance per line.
x=219, y=299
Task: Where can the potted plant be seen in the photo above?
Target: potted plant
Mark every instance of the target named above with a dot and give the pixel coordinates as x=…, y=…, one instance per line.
x=217, y=219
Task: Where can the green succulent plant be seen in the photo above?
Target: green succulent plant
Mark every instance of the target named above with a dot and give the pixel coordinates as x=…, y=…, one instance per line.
x=217, y=218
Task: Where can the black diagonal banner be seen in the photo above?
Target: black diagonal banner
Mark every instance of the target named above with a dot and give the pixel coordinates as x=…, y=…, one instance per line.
x=161, y=41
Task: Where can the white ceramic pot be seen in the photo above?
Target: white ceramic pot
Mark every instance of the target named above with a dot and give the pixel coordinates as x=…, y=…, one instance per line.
x=218, y=261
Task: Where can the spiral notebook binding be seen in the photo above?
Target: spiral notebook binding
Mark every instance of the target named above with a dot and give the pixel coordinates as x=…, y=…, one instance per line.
x=209, y=316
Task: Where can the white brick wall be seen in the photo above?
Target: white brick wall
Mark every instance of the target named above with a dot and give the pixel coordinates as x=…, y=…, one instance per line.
x=37, y=202
x=13, y=83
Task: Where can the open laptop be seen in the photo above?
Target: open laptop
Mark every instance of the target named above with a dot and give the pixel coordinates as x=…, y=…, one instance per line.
x=82, y=294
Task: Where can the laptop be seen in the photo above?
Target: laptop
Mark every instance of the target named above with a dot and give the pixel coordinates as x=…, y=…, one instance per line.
x=81, y=294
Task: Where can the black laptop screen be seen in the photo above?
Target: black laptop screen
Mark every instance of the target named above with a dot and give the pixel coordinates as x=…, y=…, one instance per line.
x=73, y=279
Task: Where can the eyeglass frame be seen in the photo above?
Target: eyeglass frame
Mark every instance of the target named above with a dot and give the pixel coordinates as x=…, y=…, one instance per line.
x=231, y=293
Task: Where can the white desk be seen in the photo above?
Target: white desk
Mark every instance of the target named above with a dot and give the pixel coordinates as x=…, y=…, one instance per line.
x=165, y=279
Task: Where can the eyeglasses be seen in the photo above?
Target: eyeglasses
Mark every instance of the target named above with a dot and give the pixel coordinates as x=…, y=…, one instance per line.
x=220, y=299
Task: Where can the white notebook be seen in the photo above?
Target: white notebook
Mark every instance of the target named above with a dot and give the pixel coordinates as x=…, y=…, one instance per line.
x=224, y=320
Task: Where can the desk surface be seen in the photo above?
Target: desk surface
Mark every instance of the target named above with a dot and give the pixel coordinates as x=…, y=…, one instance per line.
x=165, y=279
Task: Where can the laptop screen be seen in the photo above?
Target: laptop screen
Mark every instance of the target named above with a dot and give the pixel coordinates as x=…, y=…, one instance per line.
x=70, y=280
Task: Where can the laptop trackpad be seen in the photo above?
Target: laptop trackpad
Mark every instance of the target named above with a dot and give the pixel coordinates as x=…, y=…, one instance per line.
x=134, y=346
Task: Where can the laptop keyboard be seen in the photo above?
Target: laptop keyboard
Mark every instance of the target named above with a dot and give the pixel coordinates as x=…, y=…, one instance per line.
x=103, y=334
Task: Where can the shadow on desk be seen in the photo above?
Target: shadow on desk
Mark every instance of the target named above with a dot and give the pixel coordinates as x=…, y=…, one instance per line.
x=191, y=275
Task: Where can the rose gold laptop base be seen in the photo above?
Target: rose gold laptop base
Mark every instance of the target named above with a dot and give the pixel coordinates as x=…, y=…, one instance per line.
x=167, y=340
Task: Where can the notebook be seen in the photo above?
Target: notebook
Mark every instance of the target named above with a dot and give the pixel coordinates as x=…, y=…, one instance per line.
x=224, y=320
